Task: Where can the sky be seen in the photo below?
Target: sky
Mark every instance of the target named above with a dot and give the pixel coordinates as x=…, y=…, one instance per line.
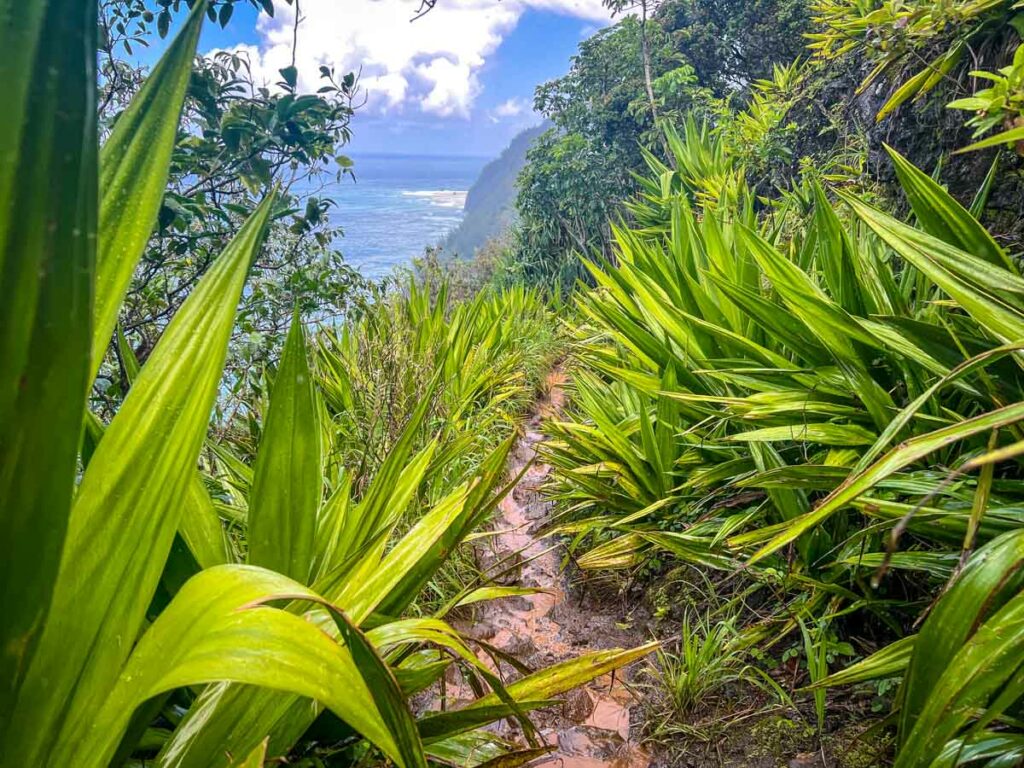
x=458, y=81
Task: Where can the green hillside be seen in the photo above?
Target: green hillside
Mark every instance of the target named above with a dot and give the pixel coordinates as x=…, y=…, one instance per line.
x=490, y=204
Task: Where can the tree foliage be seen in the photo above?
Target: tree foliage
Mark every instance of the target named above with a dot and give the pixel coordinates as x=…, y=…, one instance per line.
x=238, y=138
x=702, y=58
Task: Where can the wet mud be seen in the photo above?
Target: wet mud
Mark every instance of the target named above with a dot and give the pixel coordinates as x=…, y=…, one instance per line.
x=592, y=727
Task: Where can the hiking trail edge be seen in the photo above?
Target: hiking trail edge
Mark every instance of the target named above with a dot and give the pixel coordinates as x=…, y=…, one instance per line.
x=592, y=727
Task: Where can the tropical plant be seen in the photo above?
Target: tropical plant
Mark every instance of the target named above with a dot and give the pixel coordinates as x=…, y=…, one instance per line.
x=925, y=40
x=711, y=658
x=476, y=363
x=846, y=392
x=999, y=105
x=123, y=605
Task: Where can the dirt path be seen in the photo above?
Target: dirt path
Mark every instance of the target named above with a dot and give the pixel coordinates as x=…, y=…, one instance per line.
x=593, y=727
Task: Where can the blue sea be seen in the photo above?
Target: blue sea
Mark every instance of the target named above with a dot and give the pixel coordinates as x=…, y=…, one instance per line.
x=399, y=205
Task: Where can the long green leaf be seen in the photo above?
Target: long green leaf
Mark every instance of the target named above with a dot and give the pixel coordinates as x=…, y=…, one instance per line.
x=974, y=676
x=998, y=140
x=242, y=716
x=134, y=165
x=941, y=215
x=48, y=199
x=218, y=628
x=125, y=515
x=286, y=484
x=559, y=678
x=993, y=575
x=988, y=293
x=386, y=693
x=200, y=526
x=889, y=661
x=898, y=458
x=825, y=433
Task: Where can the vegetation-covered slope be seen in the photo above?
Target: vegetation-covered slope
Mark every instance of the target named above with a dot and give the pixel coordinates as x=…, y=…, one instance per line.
x=490, y=203
x=792, y=85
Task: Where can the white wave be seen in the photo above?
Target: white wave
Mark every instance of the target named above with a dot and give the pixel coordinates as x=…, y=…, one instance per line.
x=443, y=198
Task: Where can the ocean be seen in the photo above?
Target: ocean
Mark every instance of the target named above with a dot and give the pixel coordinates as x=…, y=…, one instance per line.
x=399, y=205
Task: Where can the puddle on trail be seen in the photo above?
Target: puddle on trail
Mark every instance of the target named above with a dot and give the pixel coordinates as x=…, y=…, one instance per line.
x=592, y=727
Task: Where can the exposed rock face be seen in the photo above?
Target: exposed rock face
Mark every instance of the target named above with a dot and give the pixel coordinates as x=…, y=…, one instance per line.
x=832, y=114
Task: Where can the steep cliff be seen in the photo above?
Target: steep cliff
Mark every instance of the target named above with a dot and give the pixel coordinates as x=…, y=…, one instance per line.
x=490, y=204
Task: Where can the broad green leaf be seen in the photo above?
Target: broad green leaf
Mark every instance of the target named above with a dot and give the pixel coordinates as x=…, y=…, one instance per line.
x=835, y=255
x=420, y=670
x=565, y=676
x=923, y=81
x=286, y=486
x=975, y=675
x=126, y=512
x=889, y=661
x=48, y=199
x=899, y=422
x=939, y=565
x=422, y=551
x=998, y=140
x=1003, y=750
x=134, y=164
x=809, y=476
x=686, y=548
x=992, y=576
x=219, y=628
x=988, y=293
x=835, y=327
x=387, y=695
x=468, y=750
x=825, y=433
x=200, y=526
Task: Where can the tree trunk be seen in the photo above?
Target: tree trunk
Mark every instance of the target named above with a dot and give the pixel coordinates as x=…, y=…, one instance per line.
x=646, y=54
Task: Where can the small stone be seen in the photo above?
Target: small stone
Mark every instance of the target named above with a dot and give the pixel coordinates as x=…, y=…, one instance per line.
x=577, y=705
x=806, y=760
x=520, y=646
x=484, y=630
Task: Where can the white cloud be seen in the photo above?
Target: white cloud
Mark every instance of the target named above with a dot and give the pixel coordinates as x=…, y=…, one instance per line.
x=454, y=85
x=431, y=65
x=511, y=108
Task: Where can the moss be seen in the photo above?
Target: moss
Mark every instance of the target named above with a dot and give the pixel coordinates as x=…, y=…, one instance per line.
x=850, y=750
x=778, y=738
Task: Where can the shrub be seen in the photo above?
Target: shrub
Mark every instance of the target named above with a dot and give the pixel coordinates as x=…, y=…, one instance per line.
x=826, y=397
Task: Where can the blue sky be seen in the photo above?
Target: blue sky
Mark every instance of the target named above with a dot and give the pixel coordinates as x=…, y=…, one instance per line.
x=458, y=81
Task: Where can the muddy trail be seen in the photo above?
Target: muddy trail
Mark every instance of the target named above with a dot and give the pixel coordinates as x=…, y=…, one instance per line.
x=599, y=724
x=593, y=726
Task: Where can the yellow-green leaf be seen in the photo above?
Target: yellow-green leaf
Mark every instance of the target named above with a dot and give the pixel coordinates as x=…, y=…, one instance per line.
x=134, y=164
x=48, y=145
